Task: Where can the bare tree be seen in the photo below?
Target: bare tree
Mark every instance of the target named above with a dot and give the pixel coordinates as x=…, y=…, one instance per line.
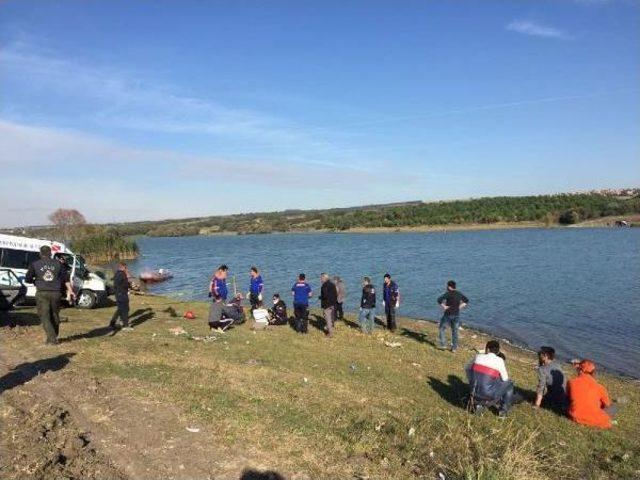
x=67, y=220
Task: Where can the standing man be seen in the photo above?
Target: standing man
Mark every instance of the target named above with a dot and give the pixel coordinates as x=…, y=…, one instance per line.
x=121, y=287
x=390, y=300
x=328, y=301
x=218, y=292
x=301, y=292
x=342, y=294
x=452, y=302
x=367, y=306
x=255, y=288
x=46, y=274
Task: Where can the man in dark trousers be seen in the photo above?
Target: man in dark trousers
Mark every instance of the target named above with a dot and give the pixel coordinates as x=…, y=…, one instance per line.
x=46, y=275
x=452, y=302
x=121, y=287
x=301, y=292
x=256, y=285
x=278, y=314
x=328, y=302
x=390, y=300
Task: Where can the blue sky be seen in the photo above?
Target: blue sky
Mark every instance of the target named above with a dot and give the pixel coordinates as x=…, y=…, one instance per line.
x=166, y=109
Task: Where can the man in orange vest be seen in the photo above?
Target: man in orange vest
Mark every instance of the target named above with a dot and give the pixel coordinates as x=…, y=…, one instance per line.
x=589, y=402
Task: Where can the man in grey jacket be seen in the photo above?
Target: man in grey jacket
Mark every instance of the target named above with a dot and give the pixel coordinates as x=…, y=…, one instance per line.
x=47, y=275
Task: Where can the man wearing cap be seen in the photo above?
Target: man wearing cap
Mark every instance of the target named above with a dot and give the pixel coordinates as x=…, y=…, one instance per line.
x=589, y=402
x=47, y=275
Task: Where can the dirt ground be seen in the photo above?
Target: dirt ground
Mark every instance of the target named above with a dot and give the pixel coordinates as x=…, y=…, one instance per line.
x=59, y=424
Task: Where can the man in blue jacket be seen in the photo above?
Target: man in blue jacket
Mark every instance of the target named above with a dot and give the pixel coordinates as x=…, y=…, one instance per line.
x=256, y=285
x=301, y=292
x=218, y=292
x=390, y=300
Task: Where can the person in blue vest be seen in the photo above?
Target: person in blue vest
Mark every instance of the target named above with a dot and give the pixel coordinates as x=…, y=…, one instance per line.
x=218, y=292
x=390, y=300
x=256, y=285
x=301, y=292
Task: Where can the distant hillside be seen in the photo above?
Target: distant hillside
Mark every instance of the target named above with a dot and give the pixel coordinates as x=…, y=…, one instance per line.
x=543, y=209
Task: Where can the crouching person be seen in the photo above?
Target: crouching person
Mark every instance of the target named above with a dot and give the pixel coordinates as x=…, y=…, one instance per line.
x=278, y=313
x=489, y=380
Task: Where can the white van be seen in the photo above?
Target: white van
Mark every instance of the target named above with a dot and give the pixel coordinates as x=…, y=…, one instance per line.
x=17, y=253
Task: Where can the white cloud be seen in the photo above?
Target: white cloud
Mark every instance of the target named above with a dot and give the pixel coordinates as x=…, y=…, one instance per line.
x=44, y=168
x=526, y=27
x=108, y=97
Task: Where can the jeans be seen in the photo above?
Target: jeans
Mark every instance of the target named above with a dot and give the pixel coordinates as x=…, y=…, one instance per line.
x=48, y=306
x=328, y=314
x=122, y=311
x=253, y=300
x=454, y=322
x=367, y=319
x=301, y=317
x=504, y=393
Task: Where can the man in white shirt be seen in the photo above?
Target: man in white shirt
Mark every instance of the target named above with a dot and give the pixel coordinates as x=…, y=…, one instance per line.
x=487, y=374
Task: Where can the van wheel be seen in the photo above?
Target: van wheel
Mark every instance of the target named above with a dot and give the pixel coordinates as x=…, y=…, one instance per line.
x=87, y=299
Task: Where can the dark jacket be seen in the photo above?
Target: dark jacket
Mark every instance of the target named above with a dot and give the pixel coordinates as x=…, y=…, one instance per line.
x=121, y=286
x=452, y=299
x=328, y=295
x=391, y=293
x=45, y=274
x=279, y=312
x=368, y=300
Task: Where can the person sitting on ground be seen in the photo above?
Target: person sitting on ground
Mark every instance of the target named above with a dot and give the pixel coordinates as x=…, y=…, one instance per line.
x=489, y=379
x=589, y=402
x=551, y=391
x=278, y=313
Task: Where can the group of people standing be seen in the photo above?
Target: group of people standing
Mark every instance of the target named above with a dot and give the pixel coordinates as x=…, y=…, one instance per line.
x=582, y=398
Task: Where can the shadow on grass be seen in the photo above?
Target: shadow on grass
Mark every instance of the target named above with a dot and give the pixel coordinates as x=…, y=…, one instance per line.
x=144, y=315
x=250, y=474
x=24, y=372
x=453, y=392
x=417, y=336
x=96, y=332
x=14, y=318
x=317, y=321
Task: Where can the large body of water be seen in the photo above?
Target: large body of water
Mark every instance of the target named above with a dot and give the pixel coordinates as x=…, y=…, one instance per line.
x=575, y=289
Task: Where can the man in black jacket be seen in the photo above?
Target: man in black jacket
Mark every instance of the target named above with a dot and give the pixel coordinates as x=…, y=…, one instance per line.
x=46, y=274
x=121, y=287
x=367, y=306
x=328, y=301
x=452, y=302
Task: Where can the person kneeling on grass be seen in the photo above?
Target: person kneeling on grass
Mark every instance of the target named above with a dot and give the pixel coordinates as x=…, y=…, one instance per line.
x=551, y=392
x=278, y=313
x=489, y=380
x=589, y=402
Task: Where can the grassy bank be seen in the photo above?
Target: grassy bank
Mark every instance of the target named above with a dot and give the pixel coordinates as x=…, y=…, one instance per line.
x=306, y=407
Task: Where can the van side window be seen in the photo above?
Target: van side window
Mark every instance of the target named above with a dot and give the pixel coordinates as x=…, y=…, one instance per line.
x=17, y=258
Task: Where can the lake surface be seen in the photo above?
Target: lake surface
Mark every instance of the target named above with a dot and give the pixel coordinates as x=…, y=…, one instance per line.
x=577, y=290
